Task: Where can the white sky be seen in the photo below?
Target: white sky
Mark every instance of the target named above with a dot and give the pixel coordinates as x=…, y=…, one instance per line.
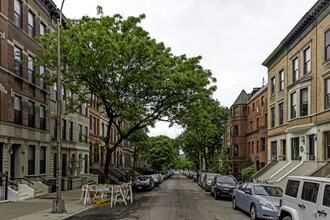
x=233, y=36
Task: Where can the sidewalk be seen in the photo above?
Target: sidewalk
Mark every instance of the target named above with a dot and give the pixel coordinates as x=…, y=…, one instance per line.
x=41, y=208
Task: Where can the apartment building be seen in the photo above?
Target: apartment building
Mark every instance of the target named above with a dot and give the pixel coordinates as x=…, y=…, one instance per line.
x=94, y=133
x=256, y=135
x=298, y=97
x=24, y=99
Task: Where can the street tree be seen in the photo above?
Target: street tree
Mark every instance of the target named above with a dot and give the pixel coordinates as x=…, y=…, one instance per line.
x=135, y=78
x=161, y=153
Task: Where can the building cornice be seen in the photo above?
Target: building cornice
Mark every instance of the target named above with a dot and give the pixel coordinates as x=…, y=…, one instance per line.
x=307, y=23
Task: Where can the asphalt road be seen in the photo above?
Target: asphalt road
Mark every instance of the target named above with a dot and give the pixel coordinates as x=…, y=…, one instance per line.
x=176, y=198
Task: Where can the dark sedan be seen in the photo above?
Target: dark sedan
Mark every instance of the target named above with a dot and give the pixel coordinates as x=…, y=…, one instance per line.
x=156, y=179
x=223, y=186
x=141, y=183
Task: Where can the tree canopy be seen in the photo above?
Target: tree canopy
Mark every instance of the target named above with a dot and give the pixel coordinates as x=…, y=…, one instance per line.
x=136, y=79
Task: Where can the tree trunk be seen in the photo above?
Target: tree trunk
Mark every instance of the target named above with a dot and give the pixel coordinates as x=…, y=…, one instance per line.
x=134, y=161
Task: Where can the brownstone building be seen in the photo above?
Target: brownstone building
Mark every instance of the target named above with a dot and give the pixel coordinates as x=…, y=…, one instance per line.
x=24, y=99
x=96, y=160
x=257, y=127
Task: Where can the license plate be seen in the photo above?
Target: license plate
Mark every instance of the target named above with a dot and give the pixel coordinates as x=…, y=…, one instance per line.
x=230, y=194
x=139, y=187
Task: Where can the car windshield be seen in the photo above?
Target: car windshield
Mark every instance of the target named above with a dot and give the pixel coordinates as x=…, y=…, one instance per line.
x=155, y=176
x=210, y=177
x=226, y=179
x=268, y=191
x=142, y=178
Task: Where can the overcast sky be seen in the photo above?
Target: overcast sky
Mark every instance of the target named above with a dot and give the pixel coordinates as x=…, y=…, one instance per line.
x=233, y=36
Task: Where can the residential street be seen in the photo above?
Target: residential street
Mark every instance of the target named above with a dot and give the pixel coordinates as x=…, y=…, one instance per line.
x=176, y=198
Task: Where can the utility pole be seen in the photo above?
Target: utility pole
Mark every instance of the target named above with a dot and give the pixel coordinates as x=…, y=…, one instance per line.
x=58, y=203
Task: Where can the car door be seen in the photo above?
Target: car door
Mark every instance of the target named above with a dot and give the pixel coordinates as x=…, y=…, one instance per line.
x=213, y=184
x=323, y=209
x=239, y=194
x=246, y=197
x=307, y=203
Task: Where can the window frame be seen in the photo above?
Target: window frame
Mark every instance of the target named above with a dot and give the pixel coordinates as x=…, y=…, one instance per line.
x=18, y=69
x=293, y=105
x=295, y=69
x=31, y=114
x=304, y=104
x=31, y=160
x=42, y=116
x=31, y=71
x=280, y=113
x=18, y=14
x=31, y=24
x=272, y=114
x=281, y=79
x=43, y=153
x=272, y=86
x=18, y=110
x=326, y=46
x=327, y=93
x=307, y=63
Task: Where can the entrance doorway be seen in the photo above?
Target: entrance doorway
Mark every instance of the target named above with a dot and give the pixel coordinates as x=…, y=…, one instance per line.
x=327, y=146
x=311, y=143
x=295, y=148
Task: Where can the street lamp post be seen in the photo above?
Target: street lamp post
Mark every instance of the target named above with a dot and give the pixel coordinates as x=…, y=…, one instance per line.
x=58, y=203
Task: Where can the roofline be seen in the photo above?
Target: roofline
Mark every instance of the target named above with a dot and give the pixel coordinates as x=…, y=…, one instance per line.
x=304, y=22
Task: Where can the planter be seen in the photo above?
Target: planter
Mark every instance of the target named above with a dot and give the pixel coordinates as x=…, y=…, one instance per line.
x=312, y=157
x=281, y=158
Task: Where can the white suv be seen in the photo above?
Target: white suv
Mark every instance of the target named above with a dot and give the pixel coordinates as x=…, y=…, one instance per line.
x=306, y=198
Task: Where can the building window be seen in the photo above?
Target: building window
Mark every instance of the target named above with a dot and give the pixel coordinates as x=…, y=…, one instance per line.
x=42, y=29
x=86, y=134
x=86, y=109
x=281, y=113
x=253, y=106
x=304, y=102
x=307, y=60
x=235, y=150
x=102, y=129
x=236, y=111
x=251, y=126
x=263, y=144
x=262, y=101
x=55, y=91
x=281, y=77
x=1, y=157
x=17, y=61
x=18, y=13
x=42, y=72
x=31, y=160
x=96, y=153
x=272, y=111
x=257, y=123
x=293, y=105
x=274, y=149
x=249, y=147
x=295, y=69
x=42, y=160
x=257, y=146
x=252, y=147
x=31, y=114
x=283, y=147
x=30, y=70
x=327, y=45
x=18, y=110
x=94, y=125
x=327, y=93
x=80, y=133
x=63, y=129
x=42, y=117
x=236, y=130
x=30, y=24
x=71, y=131
x=273, y=86
x=90, y=124
x=98, y=126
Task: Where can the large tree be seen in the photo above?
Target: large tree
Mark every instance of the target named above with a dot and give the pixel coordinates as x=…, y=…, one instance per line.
x=136, y=79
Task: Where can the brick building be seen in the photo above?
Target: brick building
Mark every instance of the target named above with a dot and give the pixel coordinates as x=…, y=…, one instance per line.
x=257, y=127
x=24, y=100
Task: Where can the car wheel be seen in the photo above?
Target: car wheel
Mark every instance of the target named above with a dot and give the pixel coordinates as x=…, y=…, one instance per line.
x=215, y=195
x=234, y=203
x=253, y=212
x=287, y=218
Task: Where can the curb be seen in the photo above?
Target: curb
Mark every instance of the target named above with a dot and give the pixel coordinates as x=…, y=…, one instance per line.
x=66, y=217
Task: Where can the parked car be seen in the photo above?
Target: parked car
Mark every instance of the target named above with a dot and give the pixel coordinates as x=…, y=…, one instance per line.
x=156, y=179
x=306, y=198
x=144, y=182
x=208, y=177
x=200, y=179
x=223, y=186
x=260, y=200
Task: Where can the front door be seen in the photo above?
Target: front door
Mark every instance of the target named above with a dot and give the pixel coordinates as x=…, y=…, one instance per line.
x=311, y=146
x=294, y=148
x=12, y=164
